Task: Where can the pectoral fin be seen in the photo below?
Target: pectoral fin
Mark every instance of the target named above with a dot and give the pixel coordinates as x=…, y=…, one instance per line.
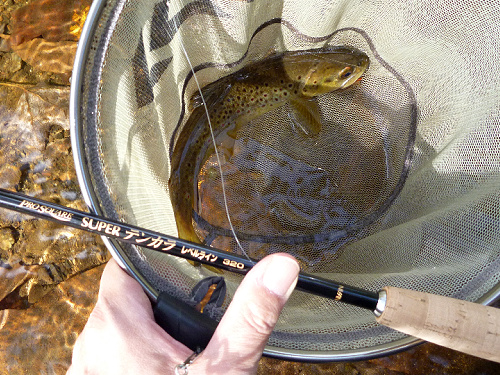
x=305, y=116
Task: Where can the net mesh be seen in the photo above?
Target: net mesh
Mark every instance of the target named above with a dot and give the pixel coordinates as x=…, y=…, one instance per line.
x=400, y=187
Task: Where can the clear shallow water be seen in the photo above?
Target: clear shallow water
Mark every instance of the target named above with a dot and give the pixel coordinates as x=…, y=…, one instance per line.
x=48, y=273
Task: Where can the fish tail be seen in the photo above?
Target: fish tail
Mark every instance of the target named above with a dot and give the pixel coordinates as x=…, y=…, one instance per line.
x=185, y=227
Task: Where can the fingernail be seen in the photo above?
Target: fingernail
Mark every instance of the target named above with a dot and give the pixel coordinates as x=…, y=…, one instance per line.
x=281, y=276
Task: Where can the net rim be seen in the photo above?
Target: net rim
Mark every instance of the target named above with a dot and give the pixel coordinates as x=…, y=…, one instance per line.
x=90, y=197
x=77, y=142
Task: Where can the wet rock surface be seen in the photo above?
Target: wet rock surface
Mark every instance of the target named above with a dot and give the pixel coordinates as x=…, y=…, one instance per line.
x=35, y=159
x=38, y=39
x=49, y=273
x=39, y=340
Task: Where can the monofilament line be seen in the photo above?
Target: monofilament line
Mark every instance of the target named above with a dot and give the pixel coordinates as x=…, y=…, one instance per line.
x=226, y=206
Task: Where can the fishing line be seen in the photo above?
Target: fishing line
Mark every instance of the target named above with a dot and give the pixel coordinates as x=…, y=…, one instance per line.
x=212, y=134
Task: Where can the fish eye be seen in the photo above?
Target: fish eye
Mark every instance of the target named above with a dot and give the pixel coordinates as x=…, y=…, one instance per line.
x=345, y=73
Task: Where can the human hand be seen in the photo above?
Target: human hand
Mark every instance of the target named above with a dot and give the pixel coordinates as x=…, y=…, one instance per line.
x=122, y=337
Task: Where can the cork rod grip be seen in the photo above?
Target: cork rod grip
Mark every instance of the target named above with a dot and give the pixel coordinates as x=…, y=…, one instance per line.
x=464, y=326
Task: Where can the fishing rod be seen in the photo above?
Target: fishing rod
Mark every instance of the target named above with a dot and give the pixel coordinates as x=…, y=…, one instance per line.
x=456, y=324
x=175, y=246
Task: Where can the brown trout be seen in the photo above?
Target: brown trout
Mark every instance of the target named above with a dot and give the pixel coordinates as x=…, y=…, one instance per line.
x=293, y=78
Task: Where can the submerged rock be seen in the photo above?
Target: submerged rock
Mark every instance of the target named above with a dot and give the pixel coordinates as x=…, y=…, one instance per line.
x=35, y=159
x=44, y=35
x=53, y=20
x=55, y=57
x=40, y=340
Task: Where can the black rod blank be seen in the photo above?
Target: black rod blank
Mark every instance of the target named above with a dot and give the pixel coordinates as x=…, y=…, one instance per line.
x=174, y=246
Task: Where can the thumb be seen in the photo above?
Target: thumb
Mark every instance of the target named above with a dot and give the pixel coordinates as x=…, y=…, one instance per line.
x=242, y=334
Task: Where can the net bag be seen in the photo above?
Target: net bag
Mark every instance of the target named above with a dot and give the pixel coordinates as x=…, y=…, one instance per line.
x=400, y=186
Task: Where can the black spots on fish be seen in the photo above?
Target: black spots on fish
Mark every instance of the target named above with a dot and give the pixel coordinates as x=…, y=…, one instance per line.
x=282, y=82
x=266, y=84
x=276, y=99
x=295, y=92
x=252, y=99
x=285, y=93
x=238, y=97
x=299, y=78
x=290, y=85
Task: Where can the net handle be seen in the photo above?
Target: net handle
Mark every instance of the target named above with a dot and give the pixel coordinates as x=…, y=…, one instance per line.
x=183, y=323
x=460, y=325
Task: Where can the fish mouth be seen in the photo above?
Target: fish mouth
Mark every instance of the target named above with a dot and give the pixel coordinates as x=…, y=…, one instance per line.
x=362, y=66
x=346, y=85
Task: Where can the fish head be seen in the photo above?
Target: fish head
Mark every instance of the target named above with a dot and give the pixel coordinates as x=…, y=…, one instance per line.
x=326, y=70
